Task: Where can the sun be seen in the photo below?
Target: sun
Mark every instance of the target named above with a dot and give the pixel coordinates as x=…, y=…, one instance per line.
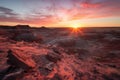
x=76, y=29
x=75, y=26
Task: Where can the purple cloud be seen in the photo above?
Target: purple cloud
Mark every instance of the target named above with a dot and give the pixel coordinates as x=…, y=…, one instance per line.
x=6, y=11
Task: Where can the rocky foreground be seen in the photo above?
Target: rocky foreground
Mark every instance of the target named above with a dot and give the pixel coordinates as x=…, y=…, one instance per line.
x=86, y=57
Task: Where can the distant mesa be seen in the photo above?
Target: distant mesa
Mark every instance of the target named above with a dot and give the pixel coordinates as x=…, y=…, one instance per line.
x=22, y=26
x=43, y=28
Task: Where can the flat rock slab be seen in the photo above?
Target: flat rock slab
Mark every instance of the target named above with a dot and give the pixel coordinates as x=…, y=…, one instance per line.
x=18, y=59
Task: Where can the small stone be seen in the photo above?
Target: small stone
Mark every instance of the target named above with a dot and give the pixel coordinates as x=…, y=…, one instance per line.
x=49, y=66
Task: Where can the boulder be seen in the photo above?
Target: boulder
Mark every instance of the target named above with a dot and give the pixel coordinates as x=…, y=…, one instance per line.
x=20, y=60
x=54, y=57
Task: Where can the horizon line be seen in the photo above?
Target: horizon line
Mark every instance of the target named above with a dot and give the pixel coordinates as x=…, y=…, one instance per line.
x=58, y=26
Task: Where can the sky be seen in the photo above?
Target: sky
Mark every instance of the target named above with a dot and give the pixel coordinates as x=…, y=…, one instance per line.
x=60, y=13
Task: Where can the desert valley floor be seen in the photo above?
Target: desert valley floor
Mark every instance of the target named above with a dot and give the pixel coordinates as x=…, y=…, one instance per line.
x=59, y=53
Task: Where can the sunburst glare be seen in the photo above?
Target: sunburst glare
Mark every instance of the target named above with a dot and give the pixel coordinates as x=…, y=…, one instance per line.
x=76, y=30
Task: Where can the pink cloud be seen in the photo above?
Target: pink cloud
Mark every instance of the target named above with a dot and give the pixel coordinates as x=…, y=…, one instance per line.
x=89, y=5
x=80, y=9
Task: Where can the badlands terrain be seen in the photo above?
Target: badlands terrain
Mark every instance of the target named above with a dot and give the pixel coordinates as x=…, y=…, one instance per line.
x=28, y=53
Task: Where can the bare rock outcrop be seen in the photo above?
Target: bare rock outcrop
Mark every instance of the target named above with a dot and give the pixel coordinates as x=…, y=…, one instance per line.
x=20, y=60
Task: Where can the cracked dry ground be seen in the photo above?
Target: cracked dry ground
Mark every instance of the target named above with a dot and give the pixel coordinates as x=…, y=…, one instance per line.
x=59, y=63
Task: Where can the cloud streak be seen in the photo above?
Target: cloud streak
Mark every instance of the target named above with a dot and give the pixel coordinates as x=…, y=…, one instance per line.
x=6, y=11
